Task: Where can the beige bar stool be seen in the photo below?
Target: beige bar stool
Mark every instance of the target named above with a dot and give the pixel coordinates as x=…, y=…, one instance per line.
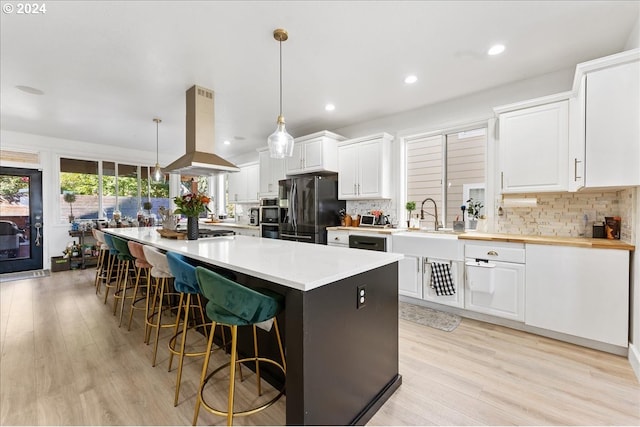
x=161, y=299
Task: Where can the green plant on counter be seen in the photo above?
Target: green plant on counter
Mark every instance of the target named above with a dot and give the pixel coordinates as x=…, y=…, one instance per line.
x=473, y=208
x=147, y=207
x=410, y=207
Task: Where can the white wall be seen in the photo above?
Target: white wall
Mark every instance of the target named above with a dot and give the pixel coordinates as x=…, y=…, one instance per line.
x=634, y=37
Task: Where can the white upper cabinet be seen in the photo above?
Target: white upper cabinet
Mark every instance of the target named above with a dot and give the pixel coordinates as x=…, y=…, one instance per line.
x=364, y=168
x=243, y=185
x=534, y=144
x=271, y=171
x=317, y=152
x=606, y=149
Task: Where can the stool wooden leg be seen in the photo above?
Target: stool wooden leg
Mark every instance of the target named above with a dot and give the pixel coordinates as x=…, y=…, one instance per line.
x=185, y=327
x=127, y=267
x=177, y=325
x=205, y=366
x=284, y=362
x=151, y=310
x=158, y=322
x=255, y=354
x=135, y=293
x=232, y=374
x=110, y=263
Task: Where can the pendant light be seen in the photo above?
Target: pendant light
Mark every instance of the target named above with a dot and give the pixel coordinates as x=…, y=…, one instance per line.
x=280, y=142
x=157, y=176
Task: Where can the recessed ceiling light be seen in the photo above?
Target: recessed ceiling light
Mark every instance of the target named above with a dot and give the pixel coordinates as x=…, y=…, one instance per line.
x=29, y=89
x=496, y=49
x=227, y=142
x=329, y=107
x=410, y=79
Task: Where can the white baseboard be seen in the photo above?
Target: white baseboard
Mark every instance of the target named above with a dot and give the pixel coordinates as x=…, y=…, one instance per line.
x=634, y=359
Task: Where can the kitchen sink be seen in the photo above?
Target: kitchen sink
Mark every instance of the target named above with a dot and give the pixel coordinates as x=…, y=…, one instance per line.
x=437, y=244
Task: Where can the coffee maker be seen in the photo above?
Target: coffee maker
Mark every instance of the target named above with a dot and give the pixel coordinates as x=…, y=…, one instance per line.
x=254, y=216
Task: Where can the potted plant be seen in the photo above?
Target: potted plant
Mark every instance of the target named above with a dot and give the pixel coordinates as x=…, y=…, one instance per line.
x=191, y=205
x=70, y=198
x=410, y=207
x=147, y=207
x=473, y=210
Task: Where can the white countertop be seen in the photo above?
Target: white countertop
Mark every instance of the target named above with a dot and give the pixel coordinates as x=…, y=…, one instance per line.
x=302, y=266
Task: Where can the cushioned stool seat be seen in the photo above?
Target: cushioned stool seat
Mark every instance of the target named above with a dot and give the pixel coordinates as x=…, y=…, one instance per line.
x=235, y=305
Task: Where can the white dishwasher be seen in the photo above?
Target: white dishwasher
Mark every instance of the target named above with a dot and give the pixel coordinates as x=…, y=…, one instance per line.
x=494, y=278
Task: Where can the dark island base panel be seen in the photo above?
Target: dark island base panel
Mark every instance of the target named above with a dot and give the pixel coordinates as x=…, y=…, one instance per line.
x=342, y=360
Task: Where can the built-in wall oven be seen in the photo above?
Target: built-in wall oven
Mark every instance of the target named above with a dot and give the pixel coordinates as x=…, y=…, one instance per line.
x=269, y=218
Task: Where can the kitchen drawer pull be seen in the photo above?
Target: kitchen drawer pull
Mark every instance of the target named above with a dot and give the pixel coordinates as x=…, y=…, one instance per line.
x=494, y=253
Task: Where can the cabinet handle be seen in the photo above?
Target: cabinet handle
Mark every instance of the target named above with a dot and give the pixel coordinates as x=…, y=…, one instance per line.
x=355, y=190
x=575, y=169
x=358, y=189
x=336, y=238
x=501, y=181
x=494, y=253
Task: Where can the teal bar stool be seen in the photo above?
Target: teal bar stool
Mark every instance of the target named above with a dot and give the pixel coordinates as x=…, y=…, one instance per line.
x=125, y=265
x=235, y=305
x=186, y=282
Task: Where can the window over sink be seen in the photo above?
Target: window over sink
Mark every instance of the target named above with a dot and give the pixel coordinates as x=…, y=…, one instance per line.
x=448, y=167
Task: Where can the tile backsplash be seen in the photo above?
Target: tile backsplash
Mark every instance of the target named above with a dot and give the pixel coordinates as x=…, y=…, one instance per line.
x=562, y=214
x=366, y=206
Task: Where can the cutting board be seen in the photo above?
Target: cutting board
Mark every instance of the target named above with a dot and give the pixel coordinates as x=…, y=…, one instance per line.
x=170, y=234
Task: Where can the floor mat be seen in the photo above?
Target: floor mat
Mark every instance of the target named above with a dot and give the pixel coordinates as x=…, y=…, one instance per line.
x=20, y=275
x=429, y=317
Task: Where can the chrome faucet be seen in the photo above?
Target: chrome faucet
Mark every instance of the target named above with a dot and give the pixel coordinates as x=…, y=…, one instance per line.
x=435, y=209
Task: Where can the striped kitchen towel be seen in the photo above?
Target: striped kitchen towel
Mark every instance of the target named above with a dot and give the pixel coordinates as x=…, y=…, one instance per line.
x=441, y=280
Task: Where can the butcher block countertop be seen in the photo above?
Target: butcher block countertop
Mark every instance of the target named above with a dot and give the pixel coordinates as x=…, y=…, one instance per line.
x=581, y=242
x=372, y=230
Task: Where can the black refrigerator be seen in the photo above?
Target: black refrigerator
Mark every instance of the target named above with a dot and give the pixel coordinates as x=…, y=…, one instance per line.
x=309, y=204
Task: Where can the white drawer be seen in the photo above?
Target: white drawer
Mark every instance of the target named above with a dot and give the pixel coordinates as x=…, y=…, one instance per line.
x=496, y=251
x=338, y=237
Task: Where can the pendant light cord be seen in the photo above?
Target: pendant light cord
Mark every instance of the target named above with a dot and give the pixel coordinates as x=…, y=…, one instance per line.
x=157, y=156
x=280, y=43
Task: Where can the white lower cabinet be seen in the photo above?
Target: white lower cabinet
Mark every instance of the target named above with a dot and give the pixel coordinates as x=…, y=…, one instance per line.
x=338, y=238
x=495, y=279
x=505, y=298
x=247, y=232
x=579, y=291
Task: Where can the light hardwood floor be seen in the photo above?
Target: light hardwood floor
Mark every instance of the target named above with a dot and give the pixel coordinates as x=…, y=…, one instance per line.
x=66, y=362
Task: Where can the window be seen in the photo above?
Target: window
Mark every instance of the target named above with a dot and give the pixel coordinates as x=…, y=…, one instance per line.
x=81, y=178
x=103, y=187
x=454, y=158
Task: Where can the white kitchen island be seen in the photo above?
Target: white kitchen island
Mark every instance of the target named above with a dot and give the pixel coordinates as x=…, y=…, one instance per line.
x=342, y=354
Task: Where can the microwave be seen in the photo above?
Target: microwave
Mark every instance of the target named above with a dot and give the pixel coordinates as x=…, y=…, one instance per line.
x=269, y=202
x=269, y=214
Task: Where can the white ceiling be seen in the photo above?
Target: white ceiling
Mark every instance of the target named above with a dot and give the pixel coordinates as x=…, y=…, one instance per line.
x=107, y=68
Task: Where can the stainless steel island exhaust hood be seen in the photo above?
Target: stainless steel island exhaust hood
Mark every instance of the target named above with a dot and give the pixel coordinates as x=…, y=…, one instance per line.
x=199, y=158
